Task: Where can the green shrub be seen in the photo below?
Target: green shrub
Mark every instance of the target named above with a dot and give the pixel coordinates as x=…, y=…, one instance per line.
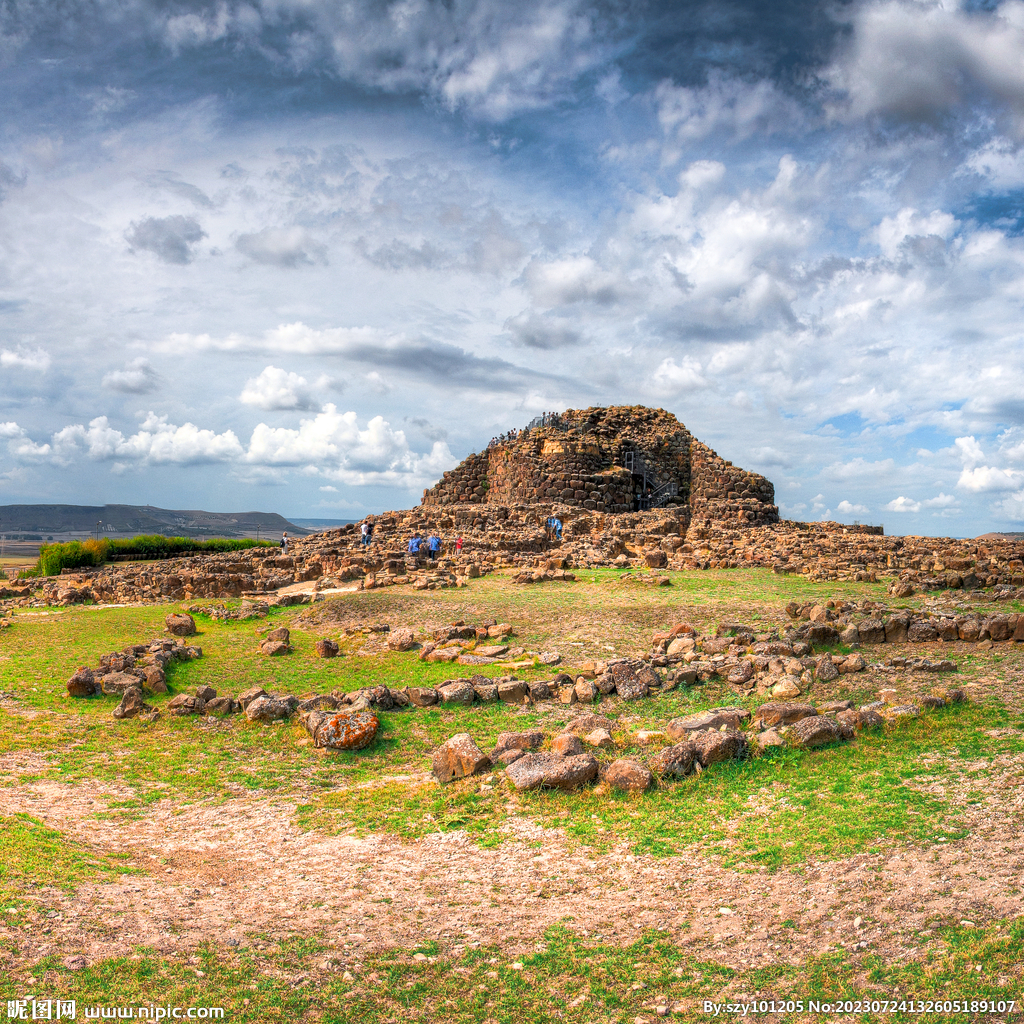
x=82, y=554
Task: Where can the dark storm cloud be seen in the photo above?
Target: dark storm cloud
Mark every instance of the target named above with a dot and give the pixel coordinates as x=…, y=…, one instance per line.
x=170, y=238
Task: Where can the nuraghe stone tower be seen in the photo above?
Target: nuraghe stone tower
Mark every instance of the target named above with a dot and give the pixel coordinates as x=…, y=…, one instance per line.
x=614, y=459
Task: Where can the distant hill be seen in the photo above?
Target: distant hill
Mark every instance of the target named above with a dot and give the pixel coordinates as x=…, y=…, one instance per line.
x=317, y=525
x=1001, y=536
x=118, y=520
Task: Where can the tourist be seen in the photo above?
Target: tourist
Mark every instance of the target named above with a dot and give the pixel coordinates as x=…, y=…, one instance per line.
x=369, y=533
x=434, y=546
x=458, y=544
x=284, y=542
x=414, y=544
x=558, y=529
x=364, y=532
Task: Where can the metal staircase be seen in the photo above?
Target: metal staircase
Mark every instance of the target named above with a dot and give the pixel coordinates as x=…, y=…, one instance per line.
x=661, y=493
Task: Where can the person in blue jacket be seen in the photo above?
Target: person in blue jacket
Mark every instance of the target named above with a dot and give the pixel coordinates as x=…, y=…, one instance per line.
x=434, y=546
x=414, y=544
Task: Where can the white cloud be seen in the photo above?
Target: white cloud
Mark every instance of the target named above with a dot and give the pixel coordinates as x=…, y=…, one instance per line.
x=10, y=429
x=902, y=504
x=848, y=508
x=672, y=377
x=989, y=478
x=25, y=359
x=275, y=388
x=859, y=468
x=137, y=378
x=282, y=247
x=908, y=223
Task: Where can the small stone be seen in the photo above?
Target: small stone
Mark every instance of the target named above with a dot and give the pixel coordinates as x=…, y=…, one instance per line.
x=327, y=649
x=786, y=688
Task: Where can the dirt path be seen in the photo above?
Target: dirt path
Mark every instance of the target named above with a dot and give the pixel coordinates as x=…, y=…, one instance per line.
x=239, y=869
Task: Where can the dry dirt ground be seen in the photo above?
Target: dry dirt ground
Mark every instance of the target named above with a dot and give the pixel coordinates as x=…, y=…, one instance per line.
x=233, y=871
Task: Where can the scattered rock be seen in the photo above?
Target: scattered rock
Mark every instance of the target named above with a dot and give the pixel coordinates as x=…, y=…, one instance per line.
x=628, y=775
x=327, y=649
x=246, y=697
x=534, y=770
x=517, y=741
x=83, y=683
x=186, y=704
x=458, y=757
x=268, y=709
x=815, y=731
x=457, y=691
x=782, y=713
x=131, y=704
x=342, y=730
x=566, y=745
x=675, y=761
x=180, y=624
x=715, y=745
x=715, y=718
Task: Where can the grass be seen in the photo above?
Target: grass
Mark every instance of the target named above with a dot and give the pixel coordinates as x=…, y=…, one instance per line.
x=777, y=813
x=565, y=976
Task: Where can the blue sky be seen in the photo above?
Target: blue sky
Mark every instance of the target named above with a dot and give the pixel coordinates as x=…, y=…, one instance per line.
x=303, y=256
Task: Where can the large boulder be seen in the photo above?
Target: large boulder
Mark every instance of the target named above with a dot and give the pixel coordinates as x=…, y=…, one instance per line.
x=675, y=761
x=815, y=731
x=326, y=648
x=782, y=713
x=118, y=683
x=532, y=771
x=342, y=730
x=715, y=745
x=628, y=776
x=180, y=624
x=268, y=709
x=458, y=757
x=154, y=679
x=83, y=683
x=715, y=718
x=999, y=627
x=921, y=632
x=896, y=628
x=423, y=696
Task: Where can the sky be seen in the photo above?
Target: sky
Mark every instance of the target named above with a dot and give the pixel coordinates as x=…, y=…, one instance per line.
x=305, y=255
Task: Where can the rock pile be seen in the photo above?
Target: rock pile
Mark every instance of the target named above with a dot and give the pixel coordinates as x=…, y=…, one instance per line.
x=873, y=623
x=139, y=666
x=687, y=745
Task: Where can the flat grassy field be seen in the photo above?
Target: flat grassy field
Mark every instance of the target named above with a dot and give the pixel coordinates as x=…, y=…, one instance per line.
x=217, y=863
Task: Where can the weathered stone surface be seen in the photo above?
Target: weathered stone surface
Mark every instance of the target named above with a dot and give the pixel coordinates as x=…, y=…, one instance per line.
x=900, y=711
x=628, y=685
x=246, y=697
x=628, y=775
x=220, y=706
x=457, y=691
x=825, y=670
x=343, y=730
x=921, y=632
x=588, y=722
x=518, y=741
x=601, y=738
x=896, y=628
x=485, y=690
x=186, y=704
x=715, y=745
x=532, y=771
x=458, y=757
x=401, y=639
x=999, y=628
x=742, y=673
x=281, y=635
x=815, y=731
x=319, y=702
x=117, y=683
x=782, y=713
x=180, y=625
x=513, y=691
x=566, y=745
x=675, y=761
x=131, y=704
x=539, y=690
x=423, y=696
x=206, y=692
x=327, y=648
x=155, y=681
x=586, y=690
x=83, y=683
x=786, y=688
x=715, y=718
x=274, y=648
x=832, y=707
x=267, y=709
x=768, y=739
x=850, y=635
x=871, y=631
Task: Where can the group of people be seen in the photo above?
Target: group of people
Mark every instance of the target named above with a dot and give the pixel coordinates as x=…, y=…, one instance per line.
x=433, y=545
x=511, y=435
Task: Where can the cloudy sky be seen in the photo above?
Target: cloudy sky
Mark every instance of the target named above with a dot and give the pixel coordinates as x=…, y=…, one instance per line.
x=304, y=255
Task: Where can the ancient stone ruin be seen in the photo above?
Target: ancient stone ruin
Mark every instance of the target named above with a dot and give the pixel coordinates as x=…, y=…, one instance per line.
x=615, y=459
